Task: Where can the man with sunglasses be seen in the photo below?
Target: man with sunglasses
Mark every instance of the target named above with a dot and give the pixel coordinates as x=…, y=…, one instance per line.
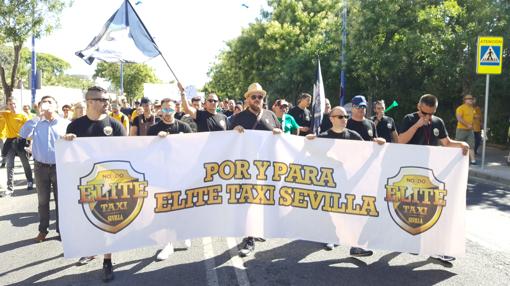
x=289, y=125
x=358, y=122
x=143, y=121
x=423, y=128
x=208, y=119
x=96, y=123
x=257, y=118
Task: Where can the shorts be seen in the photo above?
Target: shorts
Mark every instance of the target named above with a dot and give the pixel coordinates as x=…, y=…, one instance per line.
x=466, y=135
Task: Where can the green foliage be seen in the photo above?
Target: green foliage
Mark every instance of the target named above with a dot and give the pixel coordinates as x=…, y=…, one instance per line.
x=135, y=75
x=20, y=19
x=396, y=50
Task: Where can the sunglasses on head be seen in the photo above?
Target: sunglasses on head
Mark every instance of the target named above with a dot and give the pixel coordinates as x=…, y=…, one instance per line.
x=212, y=100
x=340, y=116
x=259, y=97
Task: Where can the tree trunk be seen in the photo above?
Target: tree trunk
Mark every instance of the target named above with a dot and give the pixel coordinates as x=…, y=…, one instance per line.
x=7, y=89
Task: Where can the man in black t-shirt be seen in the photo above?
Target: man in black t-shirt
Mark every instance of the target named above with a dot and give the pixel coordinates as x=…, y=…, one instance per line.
x=168, y=124
x=96, y=122
x=385, y=125
x=145, y=120
x=255, y=117
x=302, y=114
x=423, y=128
x=360, y=124
x=208, y=119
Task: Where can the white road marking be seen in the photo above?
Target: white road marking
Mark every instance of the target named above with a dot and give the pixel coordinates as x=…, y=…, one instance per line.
x=211, y=275
x=237, y=263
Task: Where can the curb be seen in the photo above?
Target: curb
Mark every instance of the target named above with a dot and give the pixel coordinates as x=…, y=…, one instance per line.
x=486, y=175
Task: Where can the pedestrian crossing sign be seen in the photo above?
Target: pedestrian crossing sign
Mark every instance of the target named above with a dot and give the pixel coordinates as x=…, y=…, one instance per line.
x=488, y=56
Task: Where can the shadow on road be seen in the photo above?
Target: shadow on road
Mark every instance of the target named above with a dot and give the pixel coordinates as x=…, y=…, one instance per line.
x=486, y=195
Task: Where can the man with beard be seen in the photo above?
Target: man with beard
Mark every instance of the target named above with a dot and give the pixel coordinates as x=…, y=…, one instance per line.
x=95, y=123
x=256, y=118
x=385, y=125
x=302, y=114
x=208, y=119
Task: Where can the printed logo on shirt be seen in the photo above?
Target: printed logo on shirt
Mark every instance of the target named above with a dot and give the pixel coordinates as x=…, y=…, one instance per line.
x=370, y=133
x=112, y=195
x=436, y=132
x=108, y=130
x=389, y=125
x=223, y=124
x=415, y=199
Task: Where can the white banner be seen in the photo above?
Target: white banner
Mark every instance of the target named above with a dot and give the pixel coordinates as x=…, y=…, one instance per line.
x=120, y=193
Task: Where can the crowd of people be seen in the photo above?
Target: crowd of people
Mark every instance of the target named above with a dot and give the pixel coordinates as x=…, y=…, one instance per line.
x=35, y=135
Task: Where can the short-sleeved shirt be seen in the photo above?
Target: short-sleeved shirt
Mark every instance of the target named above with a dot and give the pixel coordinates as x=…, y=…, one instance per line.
x=303, y=117
x=13, y=122
x=175, y=127
x=122, y=118
x=143, y=123
x=346, y=134
x=477, y=119
x=326, y=123
x=365, y=128
x=385, y=127
x=248, y=120
x=427, y=134
x=288, y=123
x=467, y=113
x=179, y=115
x=84, y=127
x=207, y=121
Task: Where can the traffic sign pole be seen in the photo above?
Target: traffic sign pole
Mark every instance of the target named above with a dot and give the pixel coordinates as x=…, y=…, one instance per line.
x=486, y=111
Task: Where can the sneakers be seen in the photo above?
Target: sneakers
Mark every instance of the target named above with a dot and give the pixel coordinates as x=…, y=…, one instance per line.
x=107, y=272
x=248, y=247
x=330, y=246
x=85, y=260
x=443, y=258
x=165, y=252
x=40, y=237
x=360, y=252
x=187, y=243
x=30, y=186
x=473, y=162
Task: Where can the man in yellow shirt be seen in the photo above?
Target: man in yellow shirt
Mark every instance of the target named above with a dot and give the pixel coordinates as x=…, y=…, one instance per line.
x=119, y=116
x=15, y=144
x=465, y=117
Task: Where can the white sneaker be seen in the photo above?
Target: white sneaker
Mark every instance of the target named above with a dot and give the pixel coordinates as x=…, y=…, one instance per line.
x=443, y=258
x=165, y=252
x=330, y=246
x=187, y=243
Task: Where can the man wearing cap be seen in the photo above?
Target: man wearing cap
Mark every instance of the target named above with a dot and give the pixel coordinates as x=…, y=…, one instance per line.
x=257, y=118
x=143, y=121
x=95, y=123
x=423, y=128
x=385, y=125
x=358, y=122
x=119, y=116
x=465, y=116
x=302, y=114
x=289, y=125
x=14, y=145
x=44, y=131
x=208, y=119
x=368, y=132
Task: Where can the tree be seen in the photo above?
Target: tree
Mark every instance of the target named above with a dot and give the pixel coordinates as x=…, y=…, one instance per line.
x=135, y=75
x=20, y=19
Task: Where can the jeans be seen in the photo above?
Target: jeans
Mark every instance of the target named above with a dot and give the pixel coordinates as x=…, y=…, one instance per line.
x=22, y=154
x=46, y=178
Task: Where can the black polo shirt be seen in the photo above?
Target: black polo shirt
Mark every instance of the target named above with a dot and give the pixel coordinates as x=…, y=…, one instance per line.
x=365, y=128
x=385, y=127
x=346, y=134
x=427, y=134
x=303, y=117
x=248, y=120
x=207, y=121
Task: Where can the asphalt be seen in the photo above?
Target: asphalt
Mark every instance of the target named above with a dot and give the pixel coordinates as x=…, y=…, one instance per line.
x=496, y=168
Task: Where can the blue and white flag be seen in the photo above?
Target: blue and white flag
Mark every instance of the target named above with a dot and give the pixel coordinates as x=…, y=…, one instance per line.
x=123, y=38
x=319, y=101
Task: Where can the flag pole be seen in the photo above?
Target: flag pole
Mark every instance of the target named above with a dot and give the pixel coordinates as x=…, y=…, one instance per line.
x=152, y=39
x=342, y=57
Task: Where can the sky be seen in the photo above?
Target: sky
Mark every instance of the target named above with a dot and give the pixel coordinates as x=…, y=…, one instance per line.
x=190, y=34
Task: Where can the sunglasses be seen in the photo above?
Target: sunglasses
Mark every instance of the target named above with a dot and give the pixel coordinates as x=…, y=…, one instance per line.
x=99, y=99
x=284, y=106
x=340, y=116
x=167, y=110
x=426, y=113
x=359, y=107
x=259, y=97
x=212, y=100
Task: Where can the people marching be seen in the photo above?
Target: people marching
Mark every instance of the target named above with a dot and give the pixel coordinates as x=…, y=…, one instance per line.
x=98, y=117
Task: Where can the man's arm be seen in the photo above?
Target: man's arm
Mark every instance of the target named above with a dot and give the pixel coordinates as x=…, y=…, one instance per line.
x=187, y=108
x=394, y=136
x=447, y=142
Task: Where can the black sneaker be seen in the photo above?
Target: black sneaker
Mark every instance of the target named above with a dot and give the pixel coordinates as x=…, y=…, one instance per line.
x=30, y=186
x=360, y=252
x=248, y=247
x=107, y=272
